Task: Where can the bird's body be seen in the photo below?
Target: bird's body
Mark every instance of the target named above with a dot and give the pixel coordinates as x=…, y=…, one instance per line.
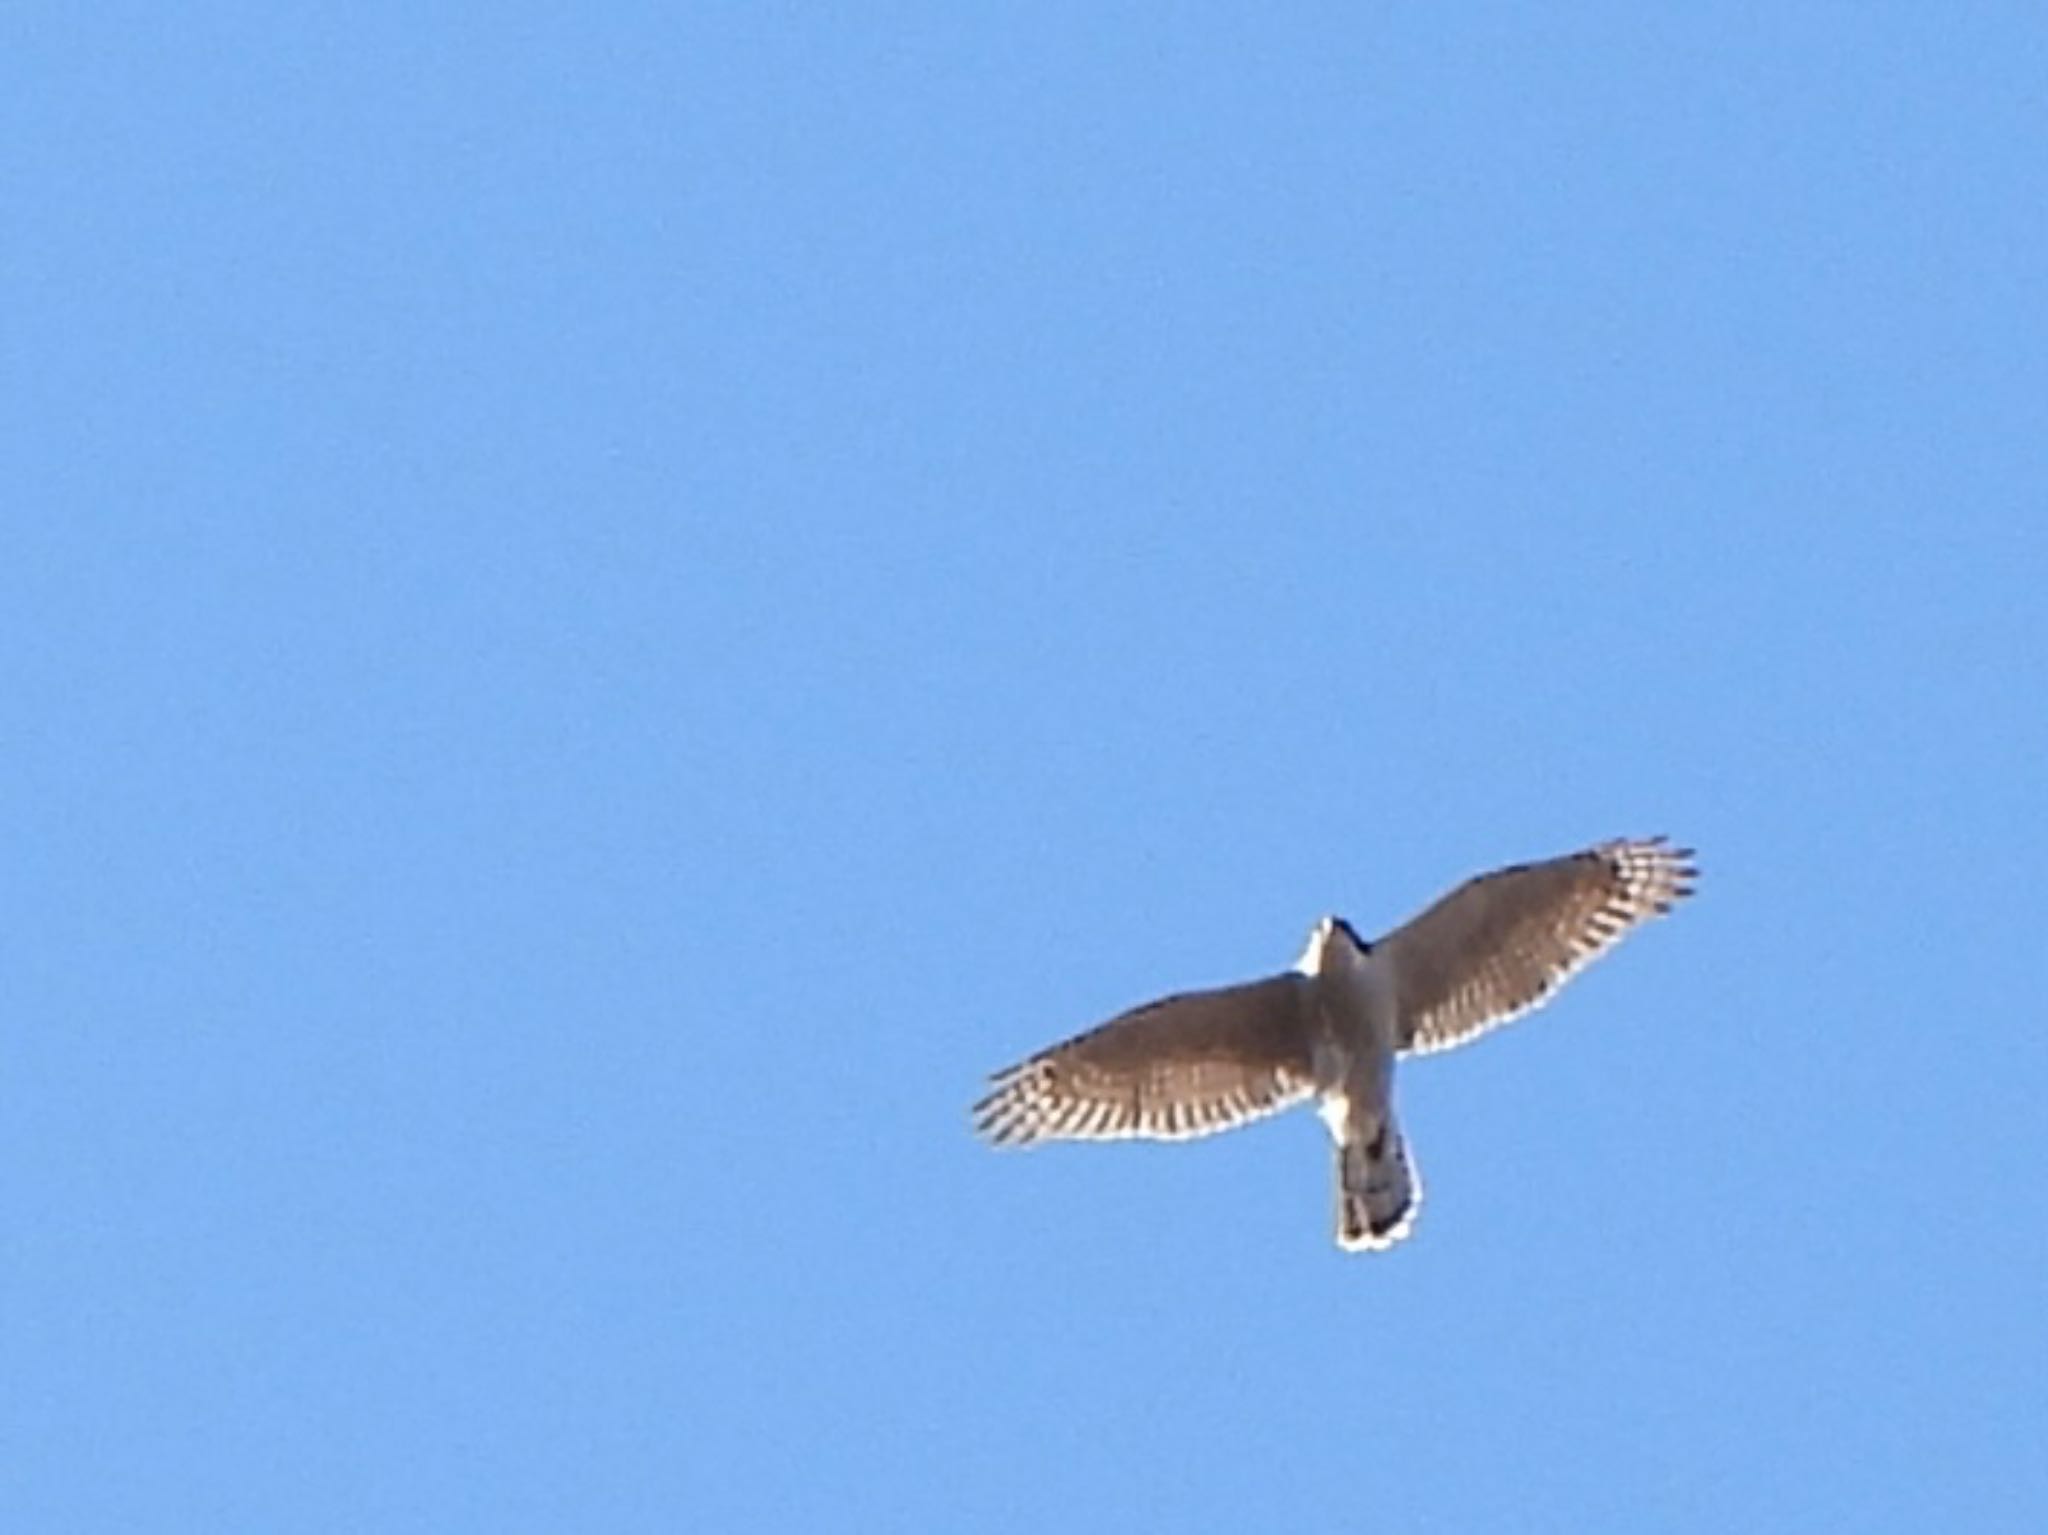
x=1333, y=1027
x=1354, y=1019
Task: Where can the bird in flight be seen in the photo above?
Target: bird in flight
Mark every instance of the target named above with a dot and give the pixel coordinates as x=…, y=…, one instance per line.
x=1332, y=1027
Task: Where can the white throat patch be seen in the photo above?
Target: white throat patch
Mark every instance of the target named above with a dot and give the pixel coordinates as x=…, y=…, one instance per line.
x=1311, y=961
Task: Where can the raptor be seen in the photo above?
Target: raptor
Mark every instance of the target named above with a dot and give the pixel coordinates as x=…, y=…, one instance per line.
x=1332, y=1028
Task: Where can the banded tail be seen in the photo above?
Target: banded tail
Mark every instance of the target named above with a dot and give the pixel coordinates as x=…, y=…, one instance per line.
x=1378, y=1190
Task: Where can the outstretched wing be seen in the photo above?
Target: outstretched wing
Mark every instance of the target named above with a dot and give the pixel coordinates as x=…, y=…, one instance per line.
x=1184, y=1066
x=1503, y=943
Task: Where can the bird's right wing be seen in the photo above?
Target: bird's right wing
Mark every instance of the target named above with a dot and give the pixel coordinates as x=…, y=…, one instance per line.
x=1184, y=1066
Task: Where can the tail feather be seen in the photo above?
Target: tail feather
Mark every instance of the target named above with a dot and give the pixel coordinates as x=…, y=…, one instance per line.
x=1378, y=1190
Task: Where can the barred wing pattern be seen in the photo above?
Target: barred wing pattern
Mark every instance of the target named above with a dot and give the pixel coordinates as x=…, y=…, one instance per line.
x=1503, y=943
x=1171, y=1070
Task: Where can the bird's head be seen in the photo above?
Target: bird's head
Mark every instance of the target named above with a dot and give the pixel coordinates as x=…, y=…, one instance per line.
x=1332, y=937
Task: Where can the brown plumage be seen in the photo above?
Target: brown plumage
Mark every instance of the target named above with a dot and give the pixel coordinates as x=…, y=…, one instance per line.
x=1330, y=1029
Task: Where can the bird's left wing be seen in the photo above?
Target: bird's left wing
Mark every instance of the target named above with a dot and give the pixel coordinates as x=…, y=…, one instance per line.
x=1184, y=1066
x=1503, y=943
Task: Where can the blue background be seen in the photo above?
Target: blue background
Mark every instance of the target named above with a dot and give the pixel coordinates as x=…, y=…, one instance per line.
x=604, y=609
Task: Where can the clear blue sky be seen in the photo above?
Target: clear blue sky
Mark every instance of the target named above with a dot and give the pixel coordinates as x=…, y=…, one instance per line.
x=603, y=610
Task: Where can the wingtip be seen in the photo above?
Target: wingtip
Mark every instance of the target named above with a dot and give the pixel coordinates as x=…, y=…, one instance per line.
x=999, y=1121
x=1676, y=869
